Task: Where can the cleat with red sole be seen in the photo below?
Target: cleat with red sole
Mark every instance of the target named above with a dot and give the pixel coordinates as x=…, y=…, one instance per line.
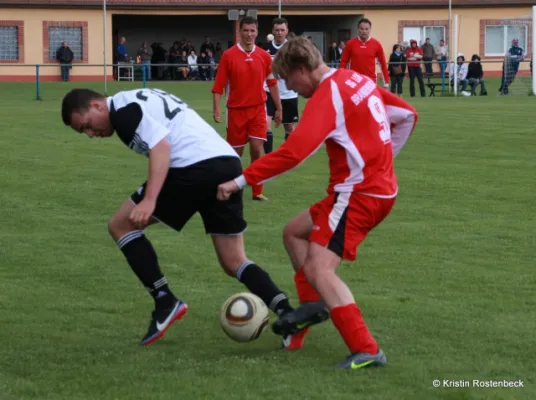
x=161, y=320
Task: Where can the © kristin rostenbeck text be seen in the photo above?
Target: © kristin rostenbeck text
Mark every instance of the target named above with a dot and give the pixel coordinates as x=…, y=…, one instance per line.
x=477, y=383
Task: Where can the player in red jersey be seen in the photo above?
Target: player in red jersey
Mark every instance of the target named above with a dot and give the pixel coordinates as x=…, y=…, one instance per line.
x=243, y=69
x=361, y=52
x=364, y=127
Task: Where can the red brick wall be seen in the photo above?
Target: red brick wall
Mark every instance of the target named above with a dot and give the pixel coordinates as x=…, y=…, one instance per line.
x=484, y=22
x=66, y=24
x=436, y=22
x=20, y=33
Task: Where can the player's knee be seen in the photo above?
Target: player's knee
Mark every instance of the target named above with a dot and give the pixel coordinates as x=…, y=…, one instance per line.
x=118, y=227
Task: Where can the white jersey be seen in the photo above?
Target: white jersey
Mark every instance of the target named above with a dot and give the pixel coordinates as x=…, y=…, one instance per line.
x=284, y=93
x=143, y=117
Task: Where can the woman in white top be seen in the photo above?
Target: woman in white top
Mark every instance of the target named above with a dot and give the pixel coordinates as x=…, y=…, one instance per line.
x=460, y=69
x=192, y=63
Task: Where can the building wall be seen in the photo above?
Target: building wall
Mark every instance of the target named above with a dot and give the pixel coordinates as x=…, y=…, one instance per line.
x=387, y=27
x=35, y=23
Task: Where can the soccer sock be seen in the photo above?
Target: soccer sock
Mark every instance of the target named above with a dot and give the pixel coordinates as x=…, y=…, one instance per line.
x=259, y=283
x=269, y=144
x=348, y=321
x=257, y=190
x=143, y=260
x=304, y=289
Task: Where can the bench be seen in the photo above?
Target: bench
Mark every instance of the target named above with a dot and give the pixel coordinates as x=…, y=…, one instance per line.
x=434, y=79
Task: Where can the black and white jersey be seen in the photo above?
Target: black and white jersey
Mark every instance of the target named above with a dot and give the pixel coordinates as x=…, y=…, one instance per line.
x=143, y=117
x=284, y=93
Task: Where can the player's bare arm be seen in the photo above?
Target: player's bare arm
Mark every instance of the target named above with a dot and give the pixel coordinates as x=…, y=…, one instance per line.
x=216, y=97
x=278, y=117
x=158, y=168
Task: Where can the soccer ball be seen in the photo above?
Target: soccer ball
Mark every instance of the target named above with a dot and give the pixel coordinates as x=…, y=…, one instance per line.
x=244, y=317
x=269, y=37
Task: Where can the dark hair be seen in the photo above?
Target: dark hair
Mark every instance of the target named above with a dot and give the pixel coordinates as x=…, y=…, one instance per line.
x=395, y=46
x=279, y=21
x=248, y=21
x=364, y=21
x=75, y=101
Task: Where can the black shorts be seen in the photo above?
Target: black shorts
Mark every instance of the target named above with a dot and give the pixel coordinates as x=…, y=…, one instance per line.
x=290, y=109
x=193, y=189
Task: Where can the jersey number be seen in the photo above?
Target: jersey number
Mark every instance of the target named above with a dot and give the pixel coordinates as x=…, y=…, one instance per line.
x=165, y=97
x=380, y=115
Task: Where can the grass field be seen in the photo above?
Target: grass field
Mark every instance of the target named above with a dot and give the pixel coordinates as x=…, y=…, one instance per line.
x=446, y=283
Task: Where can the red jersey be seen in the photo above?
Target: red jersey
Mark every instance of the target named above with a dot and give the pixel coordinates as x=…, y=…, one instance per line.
x=362, y=57
x=359, y=122
x=242, y=75
x=414, y=56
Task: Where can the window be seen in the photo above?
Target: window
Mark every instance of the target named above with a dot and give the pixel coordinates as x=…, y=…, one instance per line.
x=420, y=33
x=499, y=38
x=9, y=43
x=57, y=35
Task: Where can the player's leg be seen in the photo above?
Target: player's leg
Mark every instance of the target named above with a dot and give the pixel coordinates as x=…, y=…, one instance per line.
x=291, y=115
x=143, y=261
x=342, y=221
x=270, y=112
x=236, y=129
x=257, y=136
x=296, y=241
x=224, y=221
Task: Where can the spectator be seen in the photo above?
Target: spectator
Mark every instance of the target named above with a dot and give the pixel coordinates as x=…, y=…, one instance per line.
x=193, y=64
x=475, y=76
x=122, y=50
x=204, y=66
x=334, y=55
x=159, y=57
x=397, y=69
x=459, y=69
x=145, y=55
x=362, y=53
x=65, y=56
x=341, y=49
x=188, y=47
x=183, y=65
x=174, y=54
x=428, y=56
x=213, y=66
x=217, y=53
x=511, y=65
x=442, y=53
x=414, y=58
x=207, y=45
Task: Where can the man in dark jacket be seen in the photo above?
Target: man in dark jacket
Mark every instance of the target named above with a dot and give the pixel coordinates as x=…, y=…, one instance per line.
x=65, y=56
x=475, y=76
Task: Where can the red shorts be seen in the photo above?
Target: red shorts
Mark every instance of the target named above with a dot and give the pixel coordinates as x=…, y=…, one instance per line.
x=245, y=123
x=343, y=220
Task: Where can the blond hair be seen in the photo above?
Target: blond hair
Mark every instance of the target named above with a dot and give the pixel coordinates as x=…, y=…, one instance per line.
x=298, y=52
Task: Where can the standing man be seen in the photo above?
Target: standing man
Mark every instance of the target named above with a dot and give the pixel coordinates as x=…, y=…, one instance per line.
x=289, y=98
x=362, y=53
x=363, y=127
x=65, y=56
x=428, y=55
x=243, y=69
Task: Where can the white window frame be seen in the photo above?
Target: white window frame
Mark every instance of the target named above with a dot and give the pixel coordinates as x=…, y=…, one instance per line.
x=506, y=46
x=423, y=28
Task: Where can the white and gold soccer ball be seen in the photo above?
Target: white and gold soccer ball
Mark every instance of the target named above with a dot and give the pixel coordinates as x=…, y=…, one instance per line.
x=269, y=37
x=244, y=316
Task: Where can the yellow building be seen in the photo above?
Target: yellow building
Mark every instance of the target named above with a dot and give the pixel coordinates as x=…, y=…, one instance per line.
x=32, y=30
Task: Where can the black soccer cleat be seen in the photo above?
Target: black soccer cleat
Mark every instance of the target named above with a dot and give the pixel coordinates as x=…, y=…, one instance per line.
x=306, y=315
x=161, y=320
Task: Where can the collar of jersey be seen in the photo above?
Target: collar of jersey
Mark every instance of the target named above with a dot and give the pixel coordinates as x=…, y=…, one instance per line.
x=242, y=49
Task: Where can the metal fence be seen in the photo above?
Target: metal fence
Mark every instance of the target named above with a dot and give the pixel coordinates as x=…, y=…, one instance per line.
x=436, y=75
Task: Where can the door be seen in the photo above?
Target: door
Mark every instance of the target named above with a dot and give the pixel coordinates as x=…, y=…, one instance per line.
x=318, y=39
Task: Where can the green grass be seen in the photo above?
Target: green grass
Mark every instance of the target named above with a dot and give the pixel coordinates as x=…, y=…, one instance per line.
x=446, y=283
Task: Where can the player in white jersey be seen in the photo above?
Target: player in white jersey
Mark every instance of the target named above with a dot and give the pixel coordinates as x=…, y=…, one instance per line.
x=188, y=159
x=289, y=98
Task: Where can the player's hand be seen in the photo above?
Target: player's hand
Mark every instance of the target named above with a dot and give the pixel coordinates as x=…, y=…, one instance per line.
x=278, y=118
x=225, y=190
x=142, y=213
x=217, y=115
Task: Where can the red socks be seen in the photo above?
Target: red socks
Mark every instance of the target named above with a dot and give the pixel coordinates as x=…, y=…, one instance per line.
x=348, y=321
x=304, y=289
x=257, y=190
